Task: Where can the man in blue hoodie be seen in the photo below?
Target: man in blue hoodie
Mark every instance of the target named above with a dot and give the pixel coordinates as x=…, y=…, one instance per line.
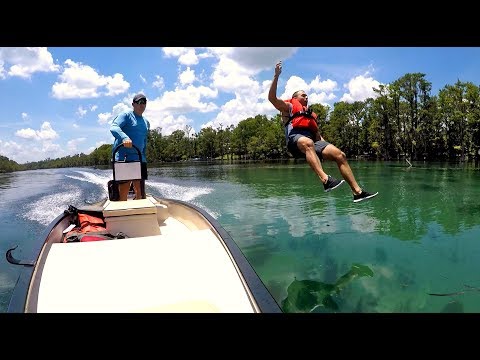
x=132, y=128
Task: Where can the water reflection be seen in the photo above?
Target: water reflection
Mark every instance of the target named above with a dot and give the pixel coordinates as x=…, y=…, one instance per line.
x=316, y=296
x=410, y=199
x=5, y=180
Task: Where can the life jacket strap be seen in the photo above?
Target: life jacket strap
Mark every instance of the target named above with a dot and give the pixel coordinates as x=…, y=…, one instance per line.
x=307, y=113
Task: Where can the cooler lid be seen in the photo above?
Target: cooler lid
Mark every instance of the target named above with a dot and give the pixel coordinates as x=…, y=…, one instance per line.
x=129, y=207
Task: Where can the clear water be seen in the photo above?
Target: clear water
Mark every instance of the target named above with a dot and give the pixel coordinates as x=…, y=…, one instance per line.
x=414, y=248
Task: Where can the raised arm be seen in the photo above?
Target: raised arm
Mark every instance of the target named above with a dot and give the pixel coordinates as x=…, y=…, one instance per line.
x=279, y=104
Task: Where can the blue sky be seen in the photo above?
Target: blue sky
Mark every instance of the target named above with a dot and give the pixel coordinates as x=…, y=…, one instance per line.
x=61, y=101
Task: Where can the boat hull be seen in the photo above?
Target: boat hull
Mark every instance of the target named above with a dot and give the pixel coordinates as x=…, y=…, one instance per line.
x=189, y=263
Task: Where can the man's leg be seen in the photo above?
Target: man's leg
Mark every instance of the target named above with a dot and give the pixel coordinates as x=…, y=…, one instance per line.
x=123, y=189
x=306, y=146
x=138, y=189
x=139, y=185
x=331, y=152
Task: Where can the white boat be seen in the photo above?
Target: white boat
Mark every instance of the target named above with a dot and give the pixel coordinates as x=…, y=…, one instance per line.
x=173, y=257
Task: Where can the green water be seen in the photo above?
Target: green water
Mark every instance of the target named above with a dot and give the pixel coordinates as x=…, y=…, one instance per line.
x=419, y=236
x=414, y=248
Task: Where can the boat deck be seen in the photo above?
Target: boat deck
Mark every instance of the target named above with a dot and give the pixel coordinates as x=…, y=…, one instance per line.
x=171, y=261
x=161, y=255
x=176, y=272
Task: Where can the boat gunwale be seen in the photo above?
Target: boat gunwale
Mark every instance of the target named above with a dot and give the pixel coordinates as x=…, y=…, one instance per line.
x=18, y=299
x=257, y=288
x=264, y=301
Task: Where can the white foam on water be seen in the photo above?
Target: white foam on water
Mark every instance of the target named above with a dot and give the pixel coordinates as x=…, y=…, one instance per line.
x=183, y=193
x=93, y=178
x=179, y=192
x=48, y=207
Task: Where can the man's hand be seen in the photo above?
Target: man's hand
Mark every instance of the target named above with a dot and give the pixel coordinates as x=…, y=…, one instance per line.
x=279, y=104
x=127, y=143
x=278, y=68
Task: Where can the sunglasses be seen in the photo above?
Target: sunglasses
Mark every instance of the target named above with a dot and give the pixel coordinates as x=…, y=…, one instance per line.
x=141, y=101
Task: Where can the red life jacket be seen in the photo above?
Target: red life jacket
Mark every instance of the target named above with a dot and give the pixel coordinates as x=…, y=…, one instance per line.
x=89, y=223
x=88, y=227
x=91, y=228
x=302, y=116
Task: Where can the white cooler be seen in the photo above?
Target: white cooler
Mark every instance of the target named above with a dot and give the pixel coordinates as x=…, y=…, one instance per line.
x=135, y=218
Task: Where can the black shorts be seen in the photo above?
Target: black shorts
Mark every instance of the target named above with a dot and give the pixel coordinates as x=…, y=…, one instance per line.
x=144, y=171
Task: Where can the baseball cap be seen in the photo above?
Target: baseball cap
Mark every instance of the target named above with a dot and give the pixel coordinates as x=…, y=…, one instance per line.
x=138, y=97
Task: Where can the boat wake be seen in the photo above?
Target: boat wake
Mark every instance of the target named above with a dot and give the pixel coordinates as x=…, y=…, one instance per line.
x=47, y=208
x=93, y=178
x=97, y=179
x=183, y=193
x=166, y=190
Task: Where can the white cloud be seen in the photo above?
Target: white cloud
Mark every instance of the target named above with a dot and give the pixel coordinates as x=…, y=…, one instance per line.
x=256, y=59
x=360, y=88
x=159, y=82
x=294, y=83
x=45, y=133
x=326, y=85
x=186, y=100
x=72, y=144
x=25, y=61
x=117, y=109
x=51, y=148
x=104, y=118
x=82, y=81
x=116, y=85
x=169, y=123
x=81, y=111
x=228, y=76
x=238, y=109
x=186, y=56
x=187, y=76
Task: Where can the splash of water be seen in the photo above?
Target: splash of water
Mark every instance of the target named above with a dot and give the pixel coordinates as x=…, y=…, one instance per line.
x=48, y=207
x=184, y=193
x=93, y=178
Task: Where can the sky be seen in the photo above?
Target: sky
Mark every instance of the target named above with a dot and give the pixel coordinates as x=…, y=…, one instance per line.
x=61, y=101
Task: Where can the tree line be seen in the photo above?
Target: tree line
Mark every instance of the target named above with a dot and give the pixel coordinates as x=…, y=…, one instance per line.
x=404, y=121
